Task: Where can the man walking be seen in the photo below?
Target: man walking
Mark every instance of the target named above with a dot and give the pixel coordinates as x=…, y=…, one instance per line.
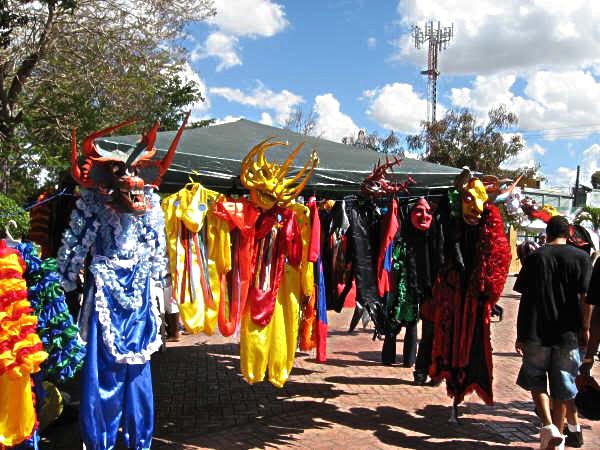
x=553, y=321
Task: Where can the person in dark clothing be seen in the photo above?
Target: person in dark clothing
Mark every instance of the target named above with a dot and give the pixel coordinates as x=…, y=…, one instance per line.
x=552, y=321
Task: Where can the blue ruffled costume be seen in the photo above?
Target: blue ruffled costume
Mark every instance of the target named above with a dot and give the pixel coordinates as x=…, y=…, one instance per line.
x=119, y=321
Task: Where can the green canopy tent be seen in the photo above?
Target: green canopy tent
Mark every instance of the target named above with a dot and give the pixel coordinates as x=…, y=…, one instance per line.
x=213, y=155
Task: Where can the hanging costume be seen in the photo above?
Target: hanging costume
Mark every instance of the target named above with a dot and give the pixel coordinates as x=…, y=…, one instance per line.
x=269, y=325
x=195, y=282
x=467, y=287
x=58, y=333
x=118, y=223
x=21, y=352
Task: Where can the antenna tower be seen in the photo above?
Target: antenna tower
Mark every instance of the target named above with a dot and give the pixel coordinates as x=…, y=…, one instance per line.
x=438, y=39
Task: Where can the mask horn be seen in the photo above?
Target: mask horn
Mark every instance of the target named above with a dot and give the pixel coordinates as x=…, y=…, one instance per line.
x=166, y=161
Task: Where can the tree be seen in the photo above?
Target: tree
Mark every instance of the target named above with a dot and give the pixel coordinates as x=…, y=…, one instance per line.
x=86, y=64
x=457, y=140
x=589, y=214
x=302, y=122
x=373, y=142
x=596, y=180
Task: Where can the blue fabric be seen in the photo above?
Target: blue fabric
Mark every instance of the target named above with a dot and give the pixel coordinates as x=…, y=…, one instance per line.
x=134, y=329
x=321, y=297
x=387, y=259
x=114, y=395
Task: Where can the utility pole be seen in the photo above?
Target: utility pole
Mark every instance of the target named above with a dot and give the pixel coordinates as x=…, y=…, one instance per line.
x=438, y=40
x=576, y=190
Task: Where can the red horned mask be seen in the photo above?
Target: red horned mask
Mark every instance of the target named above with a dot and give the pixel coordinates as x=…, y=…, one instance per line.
x=121, y=175
x=378, y=184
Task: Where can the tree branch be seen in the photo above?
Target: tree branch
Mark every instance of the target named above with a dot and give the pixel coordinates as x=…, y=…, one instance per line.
x=29, y=63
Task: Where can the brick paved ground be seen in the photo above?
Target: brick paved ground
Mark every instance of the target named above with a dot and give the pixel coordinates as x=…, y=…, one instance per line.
x=351, y=402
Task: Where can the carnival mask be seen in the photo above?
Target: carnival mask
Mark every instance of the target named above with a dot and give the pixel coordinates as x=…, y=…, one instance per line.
x=121, y=175
x=513, y=204
x=266, y=180
x=474, y=197
x=379, y=184
x=420, y=215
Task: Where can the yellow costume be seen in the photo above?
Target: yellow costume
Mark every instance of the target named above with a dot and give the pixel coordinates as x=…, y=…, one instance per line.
x=20, y=352
x=194, y=274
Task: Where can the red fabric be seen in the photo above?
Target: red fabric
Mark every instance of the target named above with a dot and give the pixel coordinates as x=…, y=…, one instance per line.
x=307, y=329
x=350, y=300
x=456, y=314
x=321, y=342
x=314, y=250
x=241, y=215
x=287, y=244
x=390, y=228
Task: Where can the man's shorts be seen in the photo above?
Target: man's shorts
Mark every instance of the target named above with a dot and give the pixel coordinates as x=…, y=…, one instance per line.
x=558, y=364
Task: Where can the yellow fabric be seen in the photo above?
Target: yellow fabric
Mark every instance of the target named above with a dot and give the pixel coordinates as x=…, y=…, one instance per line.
x=272, y=346
x=284, y=336
x=17, y=412
x=188, y=210
x=306, y=267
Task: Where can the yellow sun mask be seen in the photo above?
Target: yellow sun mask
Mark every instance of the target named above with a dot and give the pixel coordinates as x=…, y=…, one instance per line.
x=266, y=180
x=473, y=201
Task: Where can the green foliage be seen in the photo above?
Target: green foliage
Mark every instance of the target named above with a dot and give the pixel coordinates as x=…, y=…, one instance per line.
x=373, y=142
x=10, y=210
x=86, y=64
x=589, y=214
x=458, y=140
x=596, y=180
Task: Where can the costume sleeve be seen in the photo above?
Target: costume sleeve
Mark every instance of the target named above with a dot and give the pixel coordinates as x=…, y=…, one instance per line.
x=315, y=235
x=293, y=241
x=77, y=240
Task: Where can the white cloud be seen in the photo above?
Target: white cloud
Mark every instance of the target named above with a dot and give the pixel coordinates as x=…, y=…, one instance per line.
x=397, y=107
x=555, y=105
x=227, y=119
x=235, y=20
x=564, y=177
x=492, y=35
x=371, y=42
x=266, y=119
x=528, y=157
x=249, y=17
x=331, y=122
x=281, y=103
x=199, y=108
x=220, y=46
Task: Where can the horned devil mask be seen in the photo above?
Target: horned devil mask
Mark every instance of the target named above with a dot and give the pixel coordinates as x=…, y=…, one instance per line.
x=266, y=180
x=121, y=175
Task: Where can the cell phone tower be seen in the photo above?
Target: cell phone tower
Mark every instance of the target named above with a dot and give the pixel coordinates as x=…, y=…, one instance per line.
x=438, y=39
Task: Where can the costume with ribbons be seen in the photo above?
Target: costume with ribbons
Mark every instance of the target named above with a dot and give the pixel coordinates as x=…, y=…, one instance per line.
x=269, y=322
x=194, y=273
x=21, y=351
x=116, y=237
x=468, y=285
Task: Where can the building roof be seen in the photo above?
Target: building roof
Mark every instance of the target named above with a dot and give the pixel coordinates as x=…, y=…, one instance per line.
x=212, y=155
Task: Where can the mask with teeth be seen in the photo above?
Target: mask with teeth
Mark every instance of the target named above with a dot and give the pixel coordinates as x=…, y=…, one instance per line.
x=121, y=175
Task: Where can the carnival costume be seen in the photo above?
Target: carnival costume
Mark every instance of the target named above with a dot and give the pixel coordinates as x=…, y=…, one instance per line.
x=119, y=225
x=269, y=323
x=21, y=352
x=468, y=285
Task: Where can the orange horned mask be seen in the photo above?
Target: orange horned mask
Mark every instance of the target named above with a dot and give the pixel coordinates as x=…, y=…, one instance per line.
x=266, y=180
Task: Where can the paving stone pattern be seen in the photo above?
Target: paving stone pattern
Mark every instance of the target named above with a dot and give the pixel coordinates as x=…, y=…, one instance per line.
x=350, y=402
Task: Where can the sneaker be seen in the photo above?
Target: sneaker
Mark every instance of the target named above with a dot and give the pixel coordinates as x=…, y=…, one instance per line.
x=550, y=437
x=573, y=438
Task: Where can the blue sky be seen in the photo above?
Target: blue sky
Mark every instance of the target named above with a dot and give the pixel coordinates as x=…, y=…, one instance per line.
x=353, y=63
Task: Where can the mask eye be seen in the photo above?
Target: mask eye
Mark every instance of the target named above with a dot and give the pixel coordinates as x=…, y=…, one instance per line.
x=118, y=169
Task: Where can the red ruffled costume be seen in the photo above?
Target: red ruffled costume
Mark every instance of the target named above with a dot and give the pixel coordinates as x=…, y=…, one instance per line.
x=462, y=350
